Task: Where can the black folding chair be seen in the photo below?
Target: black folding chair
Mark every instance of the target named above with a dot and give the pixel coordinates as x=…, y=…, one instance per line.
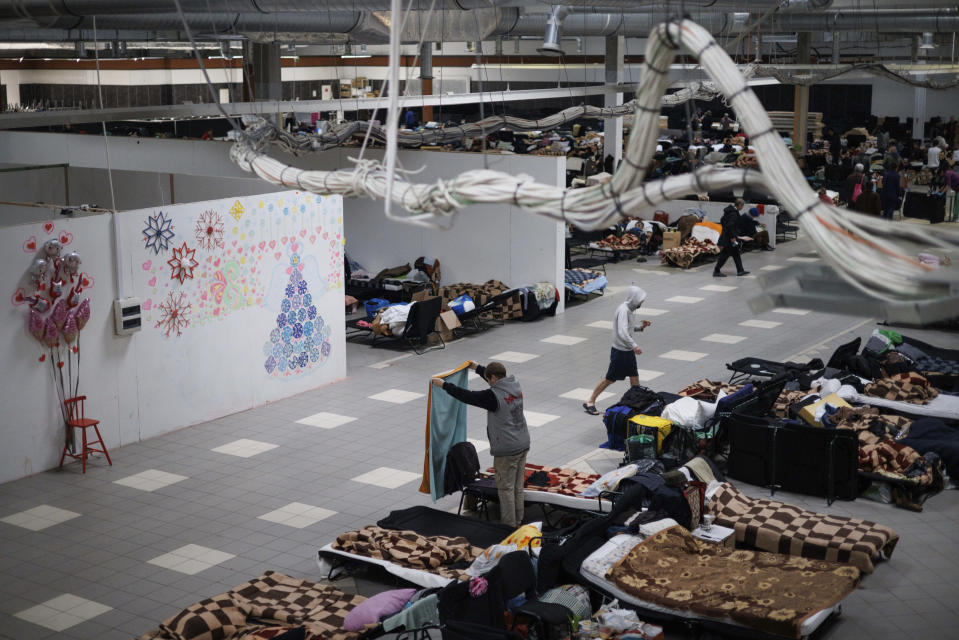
x=420, y=324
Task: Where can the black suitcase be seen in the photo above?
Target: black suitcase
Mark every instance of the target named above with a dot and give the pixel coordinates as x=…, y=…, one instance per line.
x=774, y=453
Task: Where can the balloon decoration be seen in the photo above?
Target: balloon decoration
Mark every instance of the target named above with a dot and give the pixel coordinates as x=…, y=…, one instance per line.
x=57, y=310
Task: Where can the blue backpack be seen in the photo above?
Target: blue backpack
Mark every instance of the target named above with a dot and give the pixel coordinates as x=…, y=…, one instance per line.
x=616, y=418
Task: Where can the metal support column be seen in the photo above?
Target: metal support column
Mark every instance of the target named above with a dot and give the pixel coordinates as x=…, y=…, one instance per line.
x=801, y=99
x=426, y=78
x=613, y=127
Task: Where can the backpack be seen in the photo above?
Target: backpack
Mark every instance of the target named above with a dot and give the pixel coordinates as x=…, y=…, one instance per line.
x=616, y=420
x=857, y=190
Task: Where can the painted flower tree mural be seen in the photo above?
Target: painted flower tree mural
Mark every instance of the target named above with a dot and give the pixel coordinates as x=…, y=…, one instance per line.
x=301, y=338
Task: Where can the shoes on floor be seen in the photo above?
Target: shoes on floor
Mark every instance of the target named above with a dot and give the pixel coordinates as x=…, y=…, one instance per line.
x=743, y=273
x=590, y=409
x=718, y=274
x=768, y=248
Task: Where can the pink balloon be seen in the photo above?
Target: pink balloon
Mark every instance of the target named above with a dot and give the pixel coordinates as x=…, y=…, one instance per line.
x=83, y=314
x=35, y=325
x=59, y=313
x=70, y=328
x=50, y=333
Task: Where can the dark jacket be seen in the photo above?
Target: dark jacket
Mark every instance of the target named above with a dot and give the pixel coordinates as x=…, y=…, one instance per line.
x=848, y=186
x=748, y=226
x=868, y=202
x=730, y=222
x=891, y=189
x=506, y=426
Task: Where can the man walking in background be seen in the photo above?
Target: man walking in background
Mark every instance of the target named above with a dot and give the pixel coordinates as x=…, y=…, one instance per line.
x=622, y=356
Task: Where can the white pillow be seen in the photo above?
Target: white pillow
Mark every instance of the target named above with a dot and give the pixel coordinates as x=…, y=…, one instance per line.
x=609, y=481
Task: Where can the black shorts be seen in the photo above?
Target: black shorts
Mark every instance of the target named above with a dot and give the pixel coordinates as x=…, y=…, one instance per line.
x=622, y=365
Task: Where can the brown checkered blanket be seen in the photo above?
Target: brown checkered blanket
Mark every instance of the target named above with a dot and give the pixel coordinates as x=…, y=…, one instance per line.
x=785, y=400
x=905, y=387
x=436, y=554
x=567, y=482
x=511, y=309
x=707, y=390
x=767, y=591
x=257, y=608
x=684, y=255
x=879, y=453
x=783, y=528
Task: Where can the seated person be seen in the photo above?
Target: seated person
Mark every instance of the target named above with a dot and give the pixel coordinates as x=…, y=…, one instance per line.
x=868, y=201
x=750, y=227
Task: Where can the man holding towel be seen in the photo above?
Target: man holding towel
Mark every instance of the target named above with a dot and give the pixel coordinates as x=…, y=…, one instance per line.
x=506, y=430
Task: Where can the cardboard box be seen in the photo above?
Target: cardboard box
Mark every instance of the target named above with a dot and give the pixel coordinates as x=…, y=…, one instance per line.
x=808, y=413
x=421, y=295
x=445, y=323
x=672, y=239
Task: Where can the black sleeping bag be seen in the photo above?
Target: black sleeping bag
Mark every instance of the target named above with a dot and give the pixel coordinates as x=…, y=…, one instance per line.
x=932, y=434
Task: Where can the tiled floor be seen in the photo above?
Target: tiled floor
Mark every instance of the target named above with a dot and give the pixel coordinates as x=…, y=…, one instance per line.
x=110, y=554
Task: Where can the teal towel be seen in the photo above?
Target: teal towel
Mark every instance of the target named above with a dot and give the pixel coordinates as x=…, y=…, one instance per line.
x=447, y=427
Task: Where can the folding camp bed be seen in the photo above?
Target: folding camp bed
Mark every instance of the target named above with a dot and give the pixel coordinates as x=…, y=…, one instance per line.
x=420, y=324
x=584, y=282
x=483, y=491
x=426, y=522
x=482, y=315
x=746, y=368
x=655, y=612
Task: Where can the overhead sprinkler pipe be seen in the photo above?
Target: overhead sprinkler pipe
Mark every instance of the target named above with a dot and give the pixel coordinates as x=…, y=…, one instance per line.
x=554, y=26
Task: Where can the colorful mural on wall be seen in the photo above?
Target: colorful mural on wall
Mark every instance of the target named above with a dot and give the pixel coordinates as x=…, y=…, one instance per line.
x=280, y=252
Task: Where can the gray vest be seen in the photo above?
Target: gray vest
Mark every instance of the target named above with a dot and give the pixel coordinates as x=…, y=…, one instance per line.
x=506, y=427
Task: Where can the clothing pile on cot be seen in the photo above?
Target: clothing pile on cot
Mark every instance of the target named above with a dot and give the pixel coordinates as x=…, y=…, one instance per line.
x=879, y=421
x=692, y=240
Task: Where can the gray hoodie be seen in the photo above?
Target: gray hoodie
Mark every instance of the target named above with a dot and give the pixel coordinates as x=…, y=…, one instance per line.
x=623, y=322
x=506, y=427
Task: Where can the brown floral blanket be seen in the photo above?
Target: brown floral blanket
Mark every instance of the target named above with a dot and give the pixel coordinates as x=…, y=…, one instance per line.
x=784, y=528
x=626, y=242
x=436, y=554
x=258, y=609
x=684, y=255
x=766, y=591
x=905, y=387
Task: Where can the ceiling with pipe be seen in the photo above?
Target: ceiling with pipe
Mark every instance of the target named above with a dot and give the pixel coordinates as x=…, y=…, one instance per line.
x=885, y=31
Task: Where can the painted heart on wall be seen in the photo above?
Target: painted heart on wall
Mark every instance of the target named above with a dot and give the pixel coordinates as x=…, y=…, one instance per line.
x=30, y=245
x=146, y=265
x=48, y=227
x=65, y=238
x=19, y=297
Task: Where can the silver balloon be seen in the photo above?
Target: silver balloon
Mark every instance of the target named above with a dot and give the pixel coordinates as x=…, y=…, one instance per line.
x=39, y=270
x=52, y=248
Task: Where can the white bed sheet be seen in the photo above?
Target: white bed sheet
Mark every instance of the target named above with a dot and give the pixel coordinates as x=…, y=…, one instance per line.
x=424, y=579
x=942, y=406
x=808, y=626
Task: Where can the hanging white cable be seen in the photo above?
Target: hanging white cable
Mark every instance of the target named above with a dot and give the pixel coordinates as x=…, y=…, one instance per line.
x=393, y=111
x=859, y=247
x=119, y=284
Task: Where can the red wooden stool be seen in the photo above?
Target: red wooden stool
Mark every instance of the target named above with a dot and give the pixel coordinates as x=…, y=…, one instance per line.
x=76, y=420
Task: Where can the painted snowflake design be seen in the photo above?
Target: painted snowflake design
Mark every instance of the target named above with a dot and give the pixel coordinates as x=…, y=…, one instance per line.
x=174, y=314
x=158, y=233
x=182, y=263
x=209, y=230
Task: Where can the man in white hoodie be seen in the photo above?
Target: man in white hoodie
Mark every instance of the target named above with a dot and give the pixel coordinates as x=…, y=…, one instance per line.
x=622, y=357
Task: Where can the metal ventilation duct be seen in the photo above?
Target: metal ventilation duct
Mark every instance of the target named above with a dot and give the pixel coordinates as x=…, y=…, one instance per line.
x=554, y=26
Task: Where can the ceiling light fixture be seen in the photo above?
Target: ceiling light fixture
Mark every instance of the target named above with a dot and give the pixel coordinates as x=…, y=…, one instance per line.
x=348, y=52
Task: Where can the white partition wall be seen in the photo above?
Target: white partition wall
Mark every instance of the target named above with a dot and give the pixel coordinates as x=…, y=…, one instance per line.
x=242, y=303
